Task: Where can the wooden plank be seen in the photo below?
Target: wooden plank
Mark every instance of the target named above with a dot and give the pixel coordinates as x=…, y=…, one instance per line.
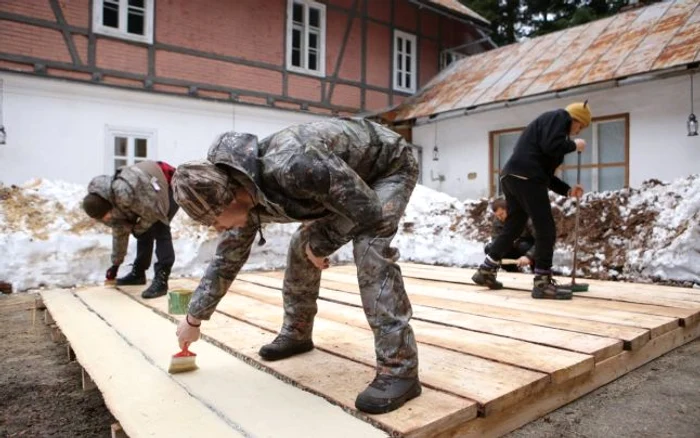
x=600, y=347
x=556, y=396
x=632, y=337
x=688, y=314
x=632, y=292
x=492, y=385
x=48, y=319
x=56, y=334
x=620, y=291
x=117, y=431
x=687, y=317
x=87, y=382
x=656, y=324
x=337, y=379
x=243, y=396
x=561, y=365
x=607, y=293
x=114, y=364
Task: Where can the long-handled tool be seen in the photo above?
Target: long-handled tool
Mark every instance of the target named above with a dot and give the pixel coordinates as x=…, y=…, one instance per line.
x=577, y=287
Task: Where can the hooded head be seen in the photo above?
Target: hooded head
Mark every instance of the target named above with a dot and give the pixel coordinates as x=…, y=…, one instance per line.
x=203, y=190
x=97, y=203
x=238, y=152
x=96, y=206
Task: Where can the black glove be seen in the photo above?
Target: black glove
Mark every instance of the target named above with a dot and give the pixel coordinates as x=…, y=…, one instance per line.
x=112, y=272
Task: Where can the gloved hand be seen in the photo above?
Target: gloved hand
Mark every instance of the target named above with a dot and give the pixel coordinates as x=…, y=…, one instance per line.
x=112, y=272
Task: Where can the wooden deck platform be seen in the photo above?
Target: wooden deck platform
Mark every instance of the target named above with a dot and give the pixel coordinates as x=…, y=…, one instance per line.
x=490, y=361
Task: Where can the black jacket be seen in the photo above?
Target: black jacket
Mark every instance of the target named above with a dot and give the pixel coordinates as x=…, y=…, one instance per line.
x=541, y=149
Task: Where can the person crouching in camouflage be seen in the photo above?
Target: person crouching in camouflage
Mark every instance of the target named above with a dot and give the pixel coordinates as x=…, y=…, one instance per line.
x=137, y=199
x=345, y=180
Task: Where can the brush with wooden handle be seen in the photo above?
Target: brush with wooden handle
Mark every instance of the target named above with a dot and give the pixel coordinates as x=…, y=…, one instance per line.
x=183, y=361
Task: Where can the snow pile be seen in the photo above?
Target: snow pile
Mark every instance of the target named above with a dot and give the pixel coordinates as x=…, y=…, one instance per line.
x=650, y=233
x=646, y=234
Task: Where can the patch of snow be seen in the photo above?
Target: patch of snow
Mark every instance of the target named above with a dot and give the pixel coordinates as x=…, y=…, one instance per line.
x=48, y=241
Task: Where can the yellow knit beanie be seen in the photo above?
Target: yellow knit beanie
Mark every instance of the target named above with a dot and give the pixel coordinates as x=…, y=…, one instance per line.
x=581, y=112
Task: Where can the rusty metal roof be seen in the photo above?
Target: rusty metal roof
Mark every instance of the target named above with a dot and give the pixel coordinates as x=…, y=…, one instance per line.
x=639, y=41
x=456, y=6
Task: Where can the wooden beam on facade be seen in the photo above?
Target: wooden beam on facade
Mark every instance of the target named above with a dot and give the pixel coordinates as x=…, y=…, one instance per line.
x=67, y=37
x=346, y=36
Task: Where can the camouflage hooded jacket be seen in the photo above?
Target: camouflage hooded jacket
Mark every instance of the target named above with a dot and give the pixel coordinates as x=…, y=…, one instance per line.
x=310, y=171
x=139, y=195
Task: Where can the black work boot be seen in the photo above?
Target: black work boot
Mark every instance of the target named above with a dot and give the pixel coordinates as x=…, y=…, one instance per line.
x=387, y=393
x=544, y=287
x=159, y=285
x=134, y=278
x=283, y=347
x=486, y=276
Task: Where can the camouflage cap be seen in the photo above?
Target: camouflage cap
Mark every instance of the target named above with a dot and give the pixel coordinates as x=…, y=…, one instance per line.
x=202, y=190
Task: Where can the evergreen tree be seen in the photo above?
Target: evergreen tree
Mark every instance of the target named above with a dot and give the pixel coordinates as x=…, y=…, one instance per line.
x=512, y=20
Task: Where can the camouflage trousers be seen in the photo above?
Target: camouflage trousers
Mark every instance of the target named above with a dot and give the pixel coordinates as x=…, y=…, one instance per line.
x=384, y=299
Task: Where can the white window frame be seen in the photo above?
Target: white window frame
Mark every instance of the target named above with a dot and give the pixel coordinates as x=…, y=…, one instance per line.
x=307, y=4
x=414, y=55
x=131, y=134
x=98, y=27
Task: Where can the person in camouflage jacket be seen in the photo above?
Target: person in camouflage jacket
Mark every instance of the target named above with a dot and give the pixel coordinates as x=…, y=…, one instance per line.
x=137, y=199
x=344, y=180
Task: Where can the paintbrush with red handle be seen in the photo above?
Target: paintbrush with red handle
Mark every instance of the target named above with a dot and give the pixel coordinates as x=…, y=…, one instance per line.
x=183, y=361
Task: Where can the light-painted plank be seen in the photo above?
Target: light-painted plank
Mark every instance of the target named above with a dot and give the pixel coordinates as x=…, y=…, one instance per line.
x=328, y=375
x=240, y=394
x=600, y=347
x=122, y=373
x=561, y=365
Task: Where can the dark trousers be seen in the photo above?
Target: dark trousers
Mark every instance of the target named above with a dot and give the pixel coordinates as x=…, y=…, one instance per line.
x=526, y=199
x=159, y=233
x=519, y=249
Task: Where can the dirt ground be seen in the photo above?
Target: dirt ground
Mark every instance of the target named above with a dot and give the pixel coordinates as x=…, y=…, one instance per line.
x=40, y=390
x=41, y=394
x=659, y=399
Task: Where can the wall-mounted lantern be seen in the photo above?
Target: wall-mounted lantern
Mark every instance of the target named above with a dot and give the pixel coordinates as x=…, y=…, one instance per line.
x=3, y=133
x=692, y=120
x=436, y=152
